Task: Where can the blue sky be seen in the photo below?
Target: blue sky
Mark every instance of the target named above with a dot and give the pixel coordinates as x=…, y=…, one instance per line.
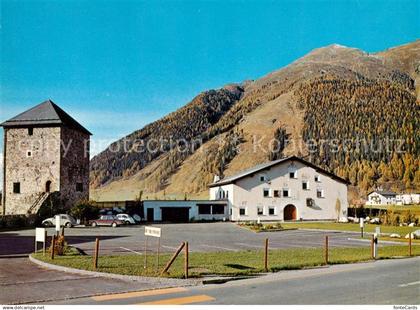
x=118, y=65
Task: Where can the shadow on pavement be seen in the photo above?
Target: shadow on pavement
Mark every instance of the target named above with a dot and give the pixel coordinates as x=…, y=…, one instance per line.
x=15, y=244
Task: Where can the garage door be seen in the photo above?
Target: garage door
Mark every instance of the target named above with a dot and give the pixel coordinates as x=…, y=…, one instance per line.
x=175, y=214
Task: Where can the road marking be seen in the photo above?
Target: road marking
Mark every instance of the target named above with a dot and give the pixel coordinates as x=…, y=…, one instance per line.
x=180, y=300
x=219, y=247
x=250, y=245
x=131, y=250
x=139, y=294
x=380, y=241
x=409, y=284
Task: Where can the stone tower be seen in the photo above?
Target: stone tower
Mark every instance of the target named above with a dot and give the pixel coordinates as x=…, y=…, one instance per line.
x=46, y=153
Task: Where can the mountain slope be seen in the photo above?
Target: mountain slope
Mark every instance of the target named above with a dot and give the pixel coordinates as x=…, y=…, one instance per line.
x=332, y=93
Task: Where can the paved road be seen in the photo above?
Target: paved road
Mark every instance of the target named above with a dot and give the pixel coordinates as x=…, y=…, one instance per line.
x=390, y=282
x=202, y=237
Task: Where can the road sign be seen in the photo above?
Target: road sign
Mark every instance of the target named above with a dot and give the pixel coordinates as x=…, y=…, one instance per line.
x=57, y=223
x=40, y=234
x=152, y=231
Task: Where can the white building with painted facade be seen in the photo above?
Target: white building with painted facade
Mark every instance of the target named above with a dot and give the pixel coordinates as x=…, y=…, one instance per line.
x=286, y=189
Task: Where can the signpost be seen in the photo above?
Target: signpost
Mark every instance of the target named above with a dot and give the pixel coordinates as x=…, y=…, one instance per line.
x=151, y=232
x=375, y=246
x=57, y=224
x=362, y=225
x=40, y=236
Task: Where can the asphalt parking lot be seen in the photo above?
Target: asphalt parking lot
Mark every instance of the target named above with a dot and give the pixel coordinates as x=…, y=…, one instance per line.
x=202, y=237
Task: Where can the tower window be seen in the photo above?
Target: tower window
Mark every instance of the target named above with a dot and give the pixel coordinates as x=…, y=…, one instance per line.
x=16, y=188
x=79, y=187
x=30, y=131
x=28, y=154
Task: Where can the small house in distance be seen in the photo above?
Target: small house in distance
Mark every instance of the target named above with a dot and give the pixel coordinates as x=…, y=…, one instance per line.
x=286, y=189
x=408, y=199
x=46, y=154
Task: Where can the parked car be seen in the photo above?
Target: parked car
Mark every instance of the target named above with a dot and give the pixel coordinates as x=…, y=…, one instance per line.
x=127, y=219
x=137, y=218
x=106, y=220
x=65, y=220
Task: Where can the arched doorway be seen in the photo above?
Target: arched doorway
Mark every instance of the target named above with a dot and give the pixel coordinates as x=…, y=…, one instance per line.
x=47, y=186
x=289, y=213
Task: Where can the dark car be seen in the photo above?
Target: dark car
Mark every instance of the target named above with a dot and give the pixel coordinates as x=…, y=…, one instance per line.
x=106, y=220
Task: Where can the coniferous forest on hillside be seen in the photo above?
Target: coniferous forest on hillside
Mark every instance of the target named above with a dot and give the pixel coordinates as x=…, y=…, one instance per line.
x=370, y=128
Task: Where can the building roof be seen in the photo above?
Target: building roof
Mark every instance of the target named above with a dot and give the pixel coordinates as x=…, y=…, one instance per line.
x=45, y=113
x=258, y=168
x=384, y=193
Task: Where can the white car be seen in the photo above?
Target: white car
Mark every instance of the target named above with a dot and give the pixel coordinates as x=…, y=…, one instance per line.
x=127, y=219
x=65, y=220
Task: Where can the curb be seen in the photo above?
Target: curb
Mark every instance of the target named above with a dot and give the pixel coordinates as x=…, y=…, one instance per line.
x=222, y=280
x=160, y=281
x=335, y=230
x=14, y=256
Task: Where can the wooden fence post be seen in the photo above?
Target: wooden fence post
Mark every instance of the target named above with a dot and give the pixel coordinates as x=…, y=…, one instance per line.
x=409, y=245
x=186, y=260
x=266, y=255
x=96, y=254
x=168, y=265
x=52, y=246
x=326, y=250
x=44, y=245
x=372, y=247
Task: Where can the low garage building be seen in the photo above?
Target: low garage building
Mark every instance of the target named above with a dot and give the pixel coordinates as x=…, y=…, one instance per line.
x=181, y=211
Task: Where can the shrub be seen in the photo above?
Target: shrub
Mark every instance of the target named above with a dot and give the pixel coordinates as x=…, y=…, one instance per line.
x=60, y=246
x=408, y=217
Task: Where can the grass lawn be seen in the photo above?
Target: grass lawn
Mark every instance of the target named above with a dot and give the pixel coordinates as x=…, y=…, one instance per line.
x=227, y=263
x=402, y=230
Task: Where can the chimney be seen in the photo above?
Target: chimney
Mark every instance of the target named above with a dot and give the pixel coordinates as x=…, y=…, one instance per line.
x=216, y=178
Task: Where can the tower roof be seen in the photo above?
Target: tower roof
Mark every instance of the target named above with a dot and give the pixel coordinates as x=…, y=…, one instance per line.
x=45, y=113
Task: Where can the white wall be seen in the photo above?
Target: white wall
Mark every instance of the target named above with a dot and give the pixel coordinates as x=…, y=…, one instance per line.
x=191, y=204
x=408, y=199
